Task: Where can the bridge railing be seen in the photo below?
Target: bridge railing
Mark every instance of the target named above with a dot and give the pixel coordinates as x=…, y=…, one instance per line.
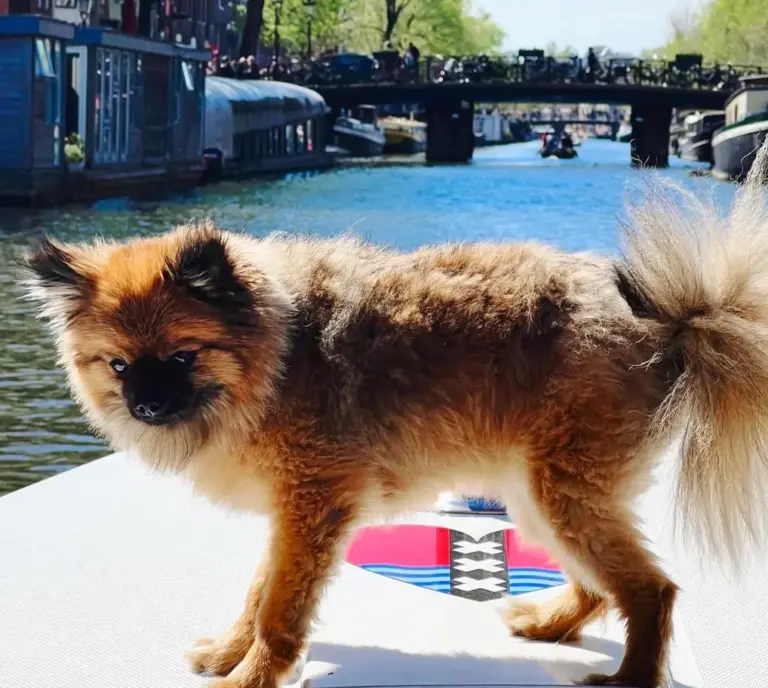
x=392, y=69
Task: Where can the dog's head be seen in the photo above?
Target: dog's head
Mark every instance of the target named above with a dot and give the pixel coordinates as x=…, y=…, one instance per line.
x=167, y=341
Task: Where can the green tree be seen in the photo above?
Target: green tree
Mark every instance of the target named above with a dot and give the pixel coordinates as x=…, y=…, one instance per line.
x=435, y=26
x=733, y=31
x=332, y=24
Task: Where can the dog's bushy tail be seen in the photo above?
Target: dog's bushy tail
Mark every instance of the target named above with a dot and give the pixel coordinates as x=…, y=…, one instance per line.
x=706, y=275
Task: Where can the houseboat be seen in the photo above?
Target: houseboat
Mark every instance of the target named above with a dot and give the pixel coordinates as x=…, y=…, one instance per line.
x=695, y=145
x=404, y=135
x=95, y=113
x=262, y=127
x=735, y=145
x=360, y=136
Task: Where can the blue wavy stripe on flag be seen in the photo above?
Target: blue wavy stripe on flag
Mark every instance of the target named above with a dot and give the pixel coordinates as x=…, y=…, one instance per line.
x=529, y=580
x=386, y=569
x=436, y=578
x=544, y=574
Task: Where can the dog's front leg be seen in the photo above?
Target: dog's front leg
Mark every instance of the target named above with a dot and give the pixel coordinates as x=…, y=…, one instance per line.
x=309, y=532
x=222, y=654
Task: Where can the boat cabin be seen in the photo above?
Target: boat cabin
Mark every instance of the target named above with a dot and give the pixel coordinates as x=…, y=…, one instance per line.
x=749, y=99
x=263, y=126
x=703, y=122
x=93, y=111
x=31, y=103
x=134, y=102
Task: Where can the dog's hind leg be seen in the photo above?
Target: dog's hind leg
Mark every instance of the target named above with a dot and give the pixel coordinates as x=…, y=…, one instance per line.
x=558, y=619
x=598, y=543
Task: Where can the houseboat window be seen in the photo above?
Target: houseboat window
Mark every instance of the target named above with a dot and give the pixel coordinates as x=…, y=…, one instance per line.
x=55, y=96
x=43, y=61
x=126, y=103
x=300, y=141
x=310, y=132
x=115, y=80
x=48, y=68
x=188, y=74
x=289, y=139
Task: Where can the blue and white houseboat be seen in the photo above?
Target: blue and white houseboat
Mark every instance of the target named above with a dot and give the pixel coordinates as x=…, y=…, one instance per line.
x=95, y=112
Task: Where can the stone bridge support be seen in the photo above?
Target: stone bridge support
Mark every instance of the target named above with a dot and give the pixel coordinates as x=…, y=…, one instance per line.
x=450, y=131
x=650, y=135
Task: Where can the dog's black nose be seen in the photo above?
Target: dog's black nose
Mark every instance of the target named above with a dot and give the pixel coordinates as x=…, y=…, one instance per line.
x=152, y=411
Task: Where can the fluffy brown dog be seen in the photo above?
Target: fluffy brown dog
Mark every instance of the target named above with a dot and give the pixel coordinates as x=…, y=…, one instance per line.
x=325, y=381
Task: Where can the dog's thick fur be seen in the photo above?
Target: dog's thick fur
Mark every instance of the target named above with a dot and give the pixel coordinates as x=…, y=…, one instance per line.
x=351, y=381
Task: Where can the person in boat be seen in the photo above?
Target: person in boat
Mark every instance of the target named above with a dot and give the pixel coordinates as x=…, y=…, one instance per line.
x=566, y=142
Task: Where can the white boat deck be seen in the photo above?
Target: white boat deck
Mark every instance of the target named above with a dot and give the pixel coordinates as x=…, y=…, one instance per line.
x=108, y=574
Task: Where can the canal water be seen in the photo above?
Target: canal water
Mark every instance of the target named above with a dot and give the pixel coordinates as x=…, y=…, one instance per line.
x=506, y=193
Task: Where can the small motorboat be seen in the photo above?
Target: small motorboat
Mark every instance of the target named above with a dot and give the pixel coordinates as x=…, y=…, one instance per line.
x=562, y=152
x=557, y=146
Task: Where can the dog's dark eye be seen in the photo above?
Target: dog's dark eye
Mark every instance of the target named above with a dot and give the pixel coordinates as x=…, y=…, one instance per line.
x=118, y=365
x=186, y=358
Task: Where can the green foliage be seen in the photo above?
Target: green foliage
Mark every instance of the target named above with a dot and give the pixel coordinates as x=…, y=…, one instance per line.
x=734, y=31
x=435, y=26
x=74, y=149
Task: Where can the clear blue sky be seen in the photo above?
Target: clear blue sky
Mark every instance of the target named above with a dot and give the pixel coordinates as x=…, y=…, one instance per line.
x=623, y=25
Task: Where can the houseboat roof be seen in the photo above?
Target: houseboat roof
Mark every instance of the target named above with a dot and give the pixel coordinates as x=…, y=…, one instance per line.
x=112, y=39
x=32, y=25
x=109, y=573
x=293, y=101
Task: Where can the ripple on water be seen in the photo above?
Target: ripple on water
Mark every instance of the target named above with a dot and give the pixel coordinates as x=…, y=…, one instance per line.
x=506, y=193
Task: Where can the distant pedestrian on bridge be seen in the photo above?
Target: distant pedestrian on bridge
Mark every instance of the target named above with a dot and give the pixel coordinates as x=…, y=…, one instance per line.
x=412, y=55
x=593, y=66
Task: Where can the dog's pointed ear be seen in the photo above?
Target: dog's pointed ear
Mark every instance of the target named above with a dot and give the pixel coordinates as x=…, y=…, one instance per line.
x=205, y=269
x=56, y=278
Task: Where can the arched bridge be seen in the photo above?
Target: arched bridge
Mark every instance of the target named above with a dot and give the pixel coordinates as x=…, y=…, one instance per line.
x=448, y=92
x=449, y=109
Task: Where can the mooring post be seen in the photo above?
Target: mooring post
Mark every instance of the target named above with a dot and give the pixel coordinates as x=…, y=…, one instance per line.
x=450, y=131
x=650, y=135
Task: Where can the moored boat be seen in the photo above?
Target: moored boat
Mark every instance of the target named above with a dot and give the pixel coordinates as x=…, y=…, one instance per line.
x=735, y=145
x=404, y=135
x=696, y=143
x=361, y=136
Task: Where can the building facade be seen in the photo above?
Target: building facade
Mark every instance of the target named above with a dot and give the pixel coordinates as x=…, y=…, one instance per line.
x=197, y=23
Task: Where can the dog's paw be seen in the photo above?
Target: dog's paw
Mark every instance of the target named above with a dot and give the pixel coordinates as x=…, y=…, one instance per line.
x=246, y=678
x=611, y=680
x=218, y=655
x=222, y=683
x=526, y=620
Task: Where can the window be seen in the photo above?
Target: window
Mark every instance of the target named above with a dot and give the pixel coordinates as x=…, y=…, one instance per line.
x=188, y=74
x=43, y=62
x=300, y=142
x=48, y=68
x=289, y=139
